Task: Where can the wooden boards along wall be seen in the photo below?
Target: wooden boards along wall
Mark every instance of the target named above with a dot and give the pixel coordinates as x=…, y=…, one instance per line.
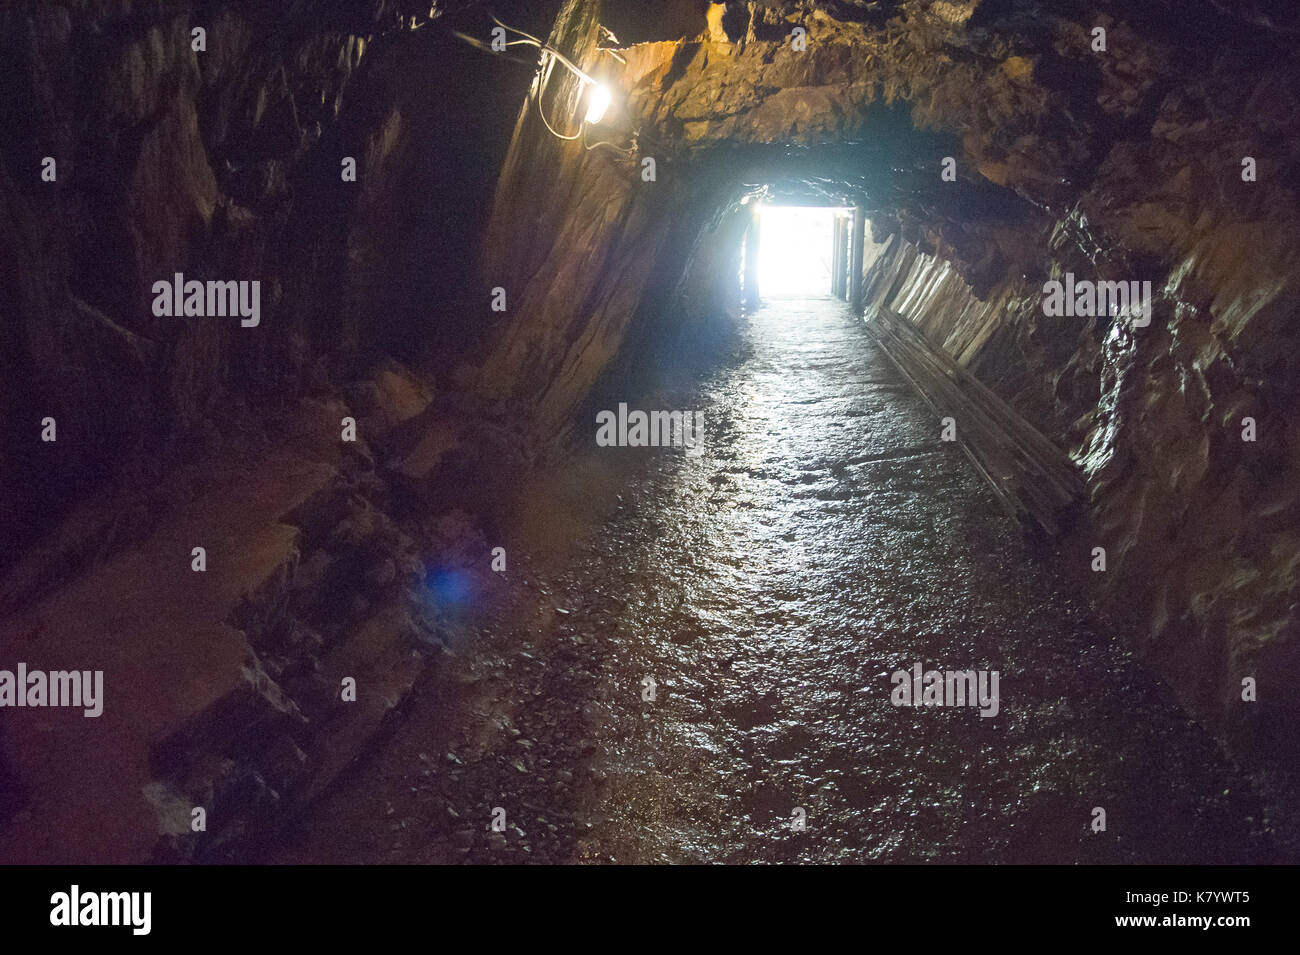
x=1032, y=479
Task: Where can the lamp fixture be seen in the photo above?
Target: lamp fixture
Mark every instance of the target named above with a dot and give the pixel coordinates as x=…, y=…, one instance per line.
x=599, y=97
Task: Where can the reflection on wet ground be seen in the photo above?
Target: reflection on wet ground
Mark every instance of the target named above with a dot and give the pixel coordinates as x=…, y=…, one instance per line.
x=825, y=539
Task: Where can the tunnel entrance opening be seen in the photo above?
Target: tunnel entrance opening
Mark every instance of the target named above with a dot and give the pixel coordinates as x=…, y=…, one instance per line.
x=795, y=251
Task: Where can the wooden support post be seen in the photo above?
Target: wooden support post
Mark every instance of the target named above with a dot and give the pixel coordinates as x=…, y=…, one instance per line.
x=835, y=255
x=844, y=257
x=841, y=288
x=752, y=239
x=858, y=258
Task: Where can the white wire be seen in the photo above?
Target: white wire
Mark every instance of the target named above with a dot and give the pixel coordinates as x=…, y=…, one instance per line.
x=545, y=48
x=514, y=30
x=617, y=149
x=541, y=112
x=541, y=87
x=549, y=58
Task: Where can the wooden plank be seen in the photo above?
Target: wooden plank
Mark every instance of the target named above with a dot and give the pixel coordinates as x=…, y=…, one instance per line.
x=1032, y=479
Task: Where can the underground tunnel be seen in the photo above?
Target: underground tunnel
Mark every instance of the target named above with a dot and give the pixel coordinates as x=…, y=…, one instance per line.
x=599, y=431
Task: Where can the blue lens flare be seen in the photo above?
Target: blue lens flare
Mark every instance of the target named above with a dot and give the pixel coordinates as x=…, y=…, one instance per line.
x=450, y=586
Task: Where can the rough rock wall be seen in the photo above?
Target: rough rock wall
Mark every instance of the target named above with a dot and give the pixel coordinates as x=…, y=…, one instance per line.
x=224, y=163
x=145, y=132
x=1198, y=524
x=580, y=241
x=227, y=163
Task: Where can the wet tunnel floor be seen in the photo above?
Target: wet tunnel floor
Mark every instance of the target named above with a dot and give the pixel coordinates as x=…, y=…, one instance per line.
x=825, y=539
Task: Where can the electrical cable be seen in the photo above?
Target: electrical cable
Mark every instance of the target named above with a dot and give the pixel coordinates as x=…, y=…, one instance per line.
x=547, y=48
x=626, y=151
x=549, y=56
x=479, y=44
x=516, y=30
x=567, y=139
x=542, y=113
x=540, y=81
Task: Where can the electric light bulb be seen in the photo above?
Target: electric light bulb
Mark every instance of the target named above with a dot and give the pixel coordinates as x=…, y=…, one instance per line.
x=597, y=103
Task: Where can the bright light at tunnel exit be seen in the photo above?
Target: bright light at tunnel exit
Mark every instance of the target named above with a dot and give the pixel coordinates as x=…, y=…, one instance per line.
x=794, y=253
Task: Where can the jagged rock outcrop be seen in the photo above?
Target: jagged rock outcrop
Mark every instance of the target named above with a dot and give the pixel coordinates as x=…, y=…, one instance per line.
x=224, y=674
